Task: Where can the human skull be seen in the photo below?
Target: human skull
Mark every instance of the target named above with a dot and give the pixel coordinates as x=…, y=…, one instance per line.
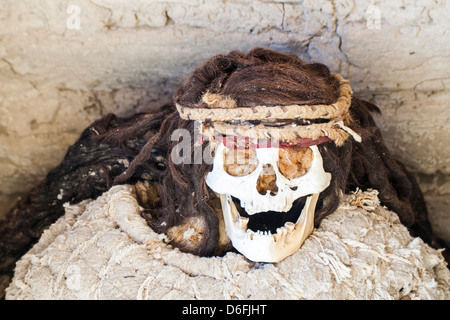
x=268, y=197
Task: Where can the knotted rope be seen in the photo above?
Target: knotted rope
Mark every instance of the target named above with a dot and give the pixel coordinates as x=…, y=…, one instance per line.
x=222, y=113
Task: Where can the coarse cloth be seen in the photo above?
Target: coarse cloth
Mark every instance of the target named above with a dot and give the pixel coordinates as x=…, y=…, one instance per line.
x=104, y=249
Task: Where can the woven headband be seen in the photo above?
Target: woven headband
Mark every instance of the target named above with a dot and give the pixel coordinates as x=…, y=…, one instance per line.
x=222, y=113
x=243, y=143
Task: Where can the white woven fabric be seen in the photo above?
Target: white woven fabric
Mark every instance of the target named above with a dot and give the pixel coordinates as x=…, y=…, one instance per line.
x=103, y=249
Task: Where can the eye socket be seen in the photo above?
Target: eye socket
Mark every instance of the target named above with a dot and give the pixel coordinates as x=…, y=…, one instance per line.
x=294, y=163
x=240, y=162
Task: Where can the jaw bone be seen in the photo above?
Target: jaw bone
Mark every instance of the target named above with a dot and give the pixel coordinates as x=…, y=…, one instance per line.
x=264, y=246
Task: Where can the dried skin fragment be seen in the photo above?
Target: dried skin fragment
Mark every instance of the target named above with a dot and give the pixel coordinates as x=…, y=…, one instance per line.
x=189, y=235
x=267, y=181
x=295, y=163
x=239, y=163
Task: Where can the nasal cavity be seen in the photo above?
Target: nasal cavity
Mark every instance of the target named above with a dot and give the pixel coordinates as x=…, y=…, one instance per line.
x=267, y=181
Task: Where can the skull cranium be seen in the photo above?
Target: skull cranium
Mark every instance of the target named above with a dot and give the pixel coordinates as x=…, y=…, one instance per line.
x=268, y=198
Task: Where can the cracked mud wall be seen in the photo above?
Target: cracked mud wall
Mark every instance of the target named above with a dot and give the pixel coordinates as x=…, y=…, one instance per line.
x=64, y=64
